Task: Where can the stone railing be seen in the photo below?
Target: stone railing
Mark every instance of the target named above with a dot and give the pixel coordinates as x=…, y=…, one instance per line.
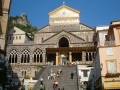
x=36, y=86
x=106, y=43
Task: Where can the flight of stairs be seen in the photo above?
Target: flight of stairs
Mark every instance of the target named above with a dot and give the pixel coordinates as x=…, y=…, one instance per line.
x=39, y=73
x=64, y=80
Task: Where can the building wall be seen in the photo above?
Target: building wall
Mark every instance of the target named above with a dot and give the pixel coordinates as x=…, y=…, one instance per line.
x=104, y=57
x=3, y=21
x=117, y=36
x=97, y=69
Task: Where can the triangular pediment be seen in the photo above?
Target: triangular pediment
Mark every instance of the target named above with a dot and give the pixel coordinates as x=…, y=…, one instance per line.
x=64, y=11
x=54, y=39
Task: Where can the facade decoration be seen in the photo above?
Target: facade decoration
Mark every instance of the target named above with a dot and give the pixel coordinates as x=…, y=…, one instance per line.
x=64, y=39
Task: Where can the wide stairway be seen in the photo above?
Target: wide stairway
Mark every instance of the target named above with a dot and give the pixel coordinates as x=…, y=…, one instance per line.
x=64, y=80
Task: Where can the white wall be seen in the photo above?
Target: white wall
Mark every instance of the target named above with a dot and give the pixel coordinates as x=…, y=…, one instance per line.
x=81, y=68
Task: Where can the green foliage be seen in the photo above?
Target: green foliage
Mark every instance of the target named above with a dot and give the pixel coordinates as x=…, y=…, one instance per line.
x=27, y=77
x=27, y=28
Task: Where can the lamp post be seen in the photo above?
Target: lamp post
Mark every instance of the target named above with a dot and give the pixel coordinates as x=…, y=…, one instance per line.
x=101, y=65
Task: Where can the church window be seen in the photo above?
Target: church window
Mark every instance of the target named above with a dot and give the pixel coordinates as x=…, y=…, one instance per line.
x=37, y=56
x=25, y=57
x=13, y=38
x=42, y=39
x=13, y=56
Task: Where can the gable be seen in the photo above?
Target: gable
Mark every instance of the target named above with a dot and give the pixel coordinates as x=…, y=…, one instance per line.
x=63, y=10
x=15, y=30
x=72, y=38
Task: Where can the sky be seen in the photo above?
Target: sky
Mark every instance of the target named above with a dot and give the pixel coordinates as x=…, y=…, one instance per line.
x=92, y=12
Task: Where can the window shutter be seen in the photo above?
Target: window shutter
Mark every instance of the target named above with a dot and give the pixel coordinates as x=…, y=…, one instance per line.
x=113, y=68
x=109, y=51
x=109, y=67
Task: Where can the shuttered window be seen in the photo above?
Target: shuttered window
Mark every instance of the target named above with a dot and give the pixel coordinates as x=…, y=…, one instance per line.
x=111, y=67
x=109, y=51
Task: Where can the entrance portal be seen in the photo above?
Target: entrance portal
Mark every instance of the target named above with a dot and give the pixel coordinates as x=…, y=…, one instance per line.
x=63, y=59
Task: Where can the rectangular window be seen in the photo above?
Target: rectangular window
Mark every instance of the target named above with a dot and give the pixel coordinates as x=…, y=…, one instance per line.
x=109, y=51
x=111, y=66
x=85, y=73
x=7, y=38
x=19, y=37
x=16, y=37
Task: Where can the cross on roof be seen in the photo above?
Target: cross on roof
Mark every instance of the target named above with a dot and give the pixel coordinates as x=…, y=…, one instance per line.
x=63, y=3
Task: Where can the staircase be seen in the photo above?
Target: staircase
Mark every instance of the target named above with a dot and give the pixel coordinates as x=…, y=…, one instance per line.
x=64, y=80
x=39, y=73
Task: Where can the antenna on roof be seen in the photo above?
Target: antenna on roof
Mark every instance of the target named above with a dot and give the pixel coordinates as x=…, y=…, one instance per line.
x=63, y=3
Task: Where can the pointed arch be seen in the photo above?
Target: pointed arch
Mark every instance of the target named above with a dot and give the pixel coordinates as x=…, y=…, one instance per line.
x=25, y=57
x=37, y=55
x=13, y=56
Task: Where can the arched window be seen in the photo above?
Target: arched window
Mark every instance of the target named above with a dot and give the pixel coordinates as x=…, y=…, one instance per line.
x=25, y=57
x=13, y=56
x=38, y=55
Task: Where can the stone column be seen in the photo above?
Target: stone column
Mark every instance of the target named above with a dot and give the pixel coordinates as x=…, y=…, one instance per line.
x=83, y=56
x=19, y=56
x=43, y=58
x=92, y=56
x=31, y=58
x=88, y=56
x=39, y=57
x=57, y=56
x=70, y=56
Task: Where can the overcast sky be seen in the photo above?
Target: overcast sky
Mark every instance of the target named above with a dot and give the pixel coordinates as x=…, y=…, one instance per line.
x=93, y=12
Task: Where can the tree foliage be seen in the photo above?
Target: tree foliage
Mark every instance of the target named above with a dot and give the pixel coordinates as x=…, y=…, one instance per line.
x=28, y=28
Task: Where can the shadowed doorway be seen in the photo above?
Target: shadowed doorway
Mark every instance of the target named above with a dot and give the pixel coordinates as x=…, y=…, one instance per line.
x=63, y=42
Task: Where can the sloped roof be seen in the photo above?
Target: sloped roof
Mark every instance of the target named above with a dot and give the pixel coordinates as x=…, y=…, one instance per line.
x=60, y=32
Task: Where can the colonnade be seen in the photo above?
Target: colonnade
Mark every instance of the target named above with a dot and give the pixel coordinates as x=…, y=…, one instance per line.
x=86, y=56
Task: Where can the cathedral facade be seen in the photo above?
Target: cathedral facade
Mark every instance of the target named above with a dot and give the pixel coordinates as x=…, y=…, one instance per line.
x=64, y=39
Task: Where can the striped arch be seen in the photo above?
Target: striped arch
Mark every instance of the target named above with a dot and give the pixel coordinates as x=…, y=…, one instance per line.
x=25, y=55
x=38, y=54
x=13, y=54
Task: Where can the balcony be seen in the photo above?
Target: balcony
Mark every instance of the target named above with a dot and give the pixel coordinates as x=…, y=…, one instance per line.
x=106, y=44
x=112, y=75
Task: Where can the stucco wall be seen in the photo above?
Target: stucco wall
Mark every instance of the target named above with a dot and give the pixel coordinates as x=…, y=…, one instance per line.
x=104, y=57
